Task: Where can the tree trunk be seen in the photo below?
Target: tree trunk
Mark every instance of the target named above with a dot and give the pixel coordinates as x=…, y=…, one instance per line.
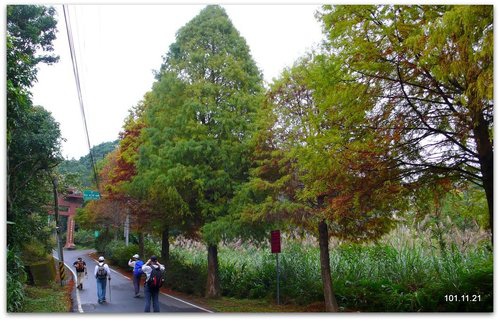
x=213, y=284
x=141, y=244
x=330, y=301
x=485, y=151
x=165, y=246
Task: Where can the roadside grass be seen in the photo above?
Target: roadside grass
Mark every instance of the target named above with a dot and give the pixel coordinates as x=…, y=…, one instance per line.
x=50, y=298
x=234, y=305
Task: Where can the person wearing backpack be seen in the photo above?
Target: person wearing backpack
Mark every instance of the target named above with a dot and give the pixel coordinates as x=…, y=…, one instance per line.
x=154, y=280
x=137, y=264
x=81, y=268
x=101, y=273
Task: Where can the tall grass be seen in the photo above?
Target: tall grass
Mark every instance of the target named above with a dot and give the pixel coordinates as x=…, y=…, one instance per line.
x=401, y=273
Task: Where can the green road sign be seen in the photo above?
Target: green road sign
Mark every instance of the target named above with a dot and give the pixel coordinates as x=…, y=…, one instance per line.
x=91, y=195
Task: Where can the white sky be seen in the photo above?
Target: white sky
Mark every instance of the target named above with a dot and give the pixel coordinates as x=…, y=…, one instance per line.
x=118, y=47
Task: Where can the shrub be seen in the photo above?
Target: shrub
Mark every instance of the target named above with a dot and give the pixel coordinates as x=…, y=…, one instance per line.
x=84, y=238
x=16, y=277
x=187, y=272
x=118, y=253
x=102, y=241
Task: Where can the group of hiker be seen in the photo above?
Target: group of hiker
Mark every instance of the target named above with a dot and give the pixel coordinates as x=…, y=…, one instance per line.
x=152, y=269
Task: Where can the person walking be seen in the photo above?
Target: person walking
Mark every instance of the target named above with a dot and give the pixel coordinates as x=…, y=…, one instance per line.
x=154, y=280
x=101, y=272
x=137, y=264
x=81, y=269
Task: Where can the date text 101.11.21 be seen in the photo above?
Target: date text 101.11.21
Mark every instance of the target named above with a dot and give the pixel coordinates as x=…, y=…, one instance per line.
x=462, y=298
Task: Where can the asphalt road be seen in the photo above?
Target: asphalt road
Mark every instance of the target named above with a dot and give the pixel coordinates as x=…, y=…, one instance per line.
x=121, y=299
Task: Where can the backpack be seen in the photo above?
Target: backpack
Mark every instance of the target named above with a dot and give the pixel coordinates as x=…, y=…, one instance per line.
x=155, y=280
x=101, y=272
x=79, y=266
x=138, y=267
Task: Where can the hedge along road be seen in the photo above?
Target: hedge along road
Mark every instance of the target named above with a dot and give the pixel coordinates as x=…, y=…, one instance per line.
x=122, y=292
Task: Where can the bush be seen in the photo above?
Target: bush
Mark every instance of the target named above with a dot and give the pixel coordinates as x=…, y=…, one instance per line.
x=16, y=277
x=84, y=238
x=187, y=272
x=102, y=241
x=118, y=253
x=33, y=252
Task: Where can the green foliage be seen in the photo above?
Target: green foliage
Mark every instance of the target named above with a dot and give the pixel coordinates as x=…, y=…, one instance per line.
x=398, y=275
x=118, y=253
x=16, y=277
x=187, y=272
x=455, y=215
x=467, y=206
x=102, y=241
x=32, y=153
x=33, y=144
x=33, y=252
x=29, y=29
x=427, y=73
x=47, y=299
x=79, y=172
x=317, y=160
x=84, y=238
x=198, y=121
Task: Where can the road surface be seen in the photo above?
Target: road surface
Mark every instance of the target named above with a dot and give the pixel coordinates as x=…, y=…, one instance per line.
x=122, y=298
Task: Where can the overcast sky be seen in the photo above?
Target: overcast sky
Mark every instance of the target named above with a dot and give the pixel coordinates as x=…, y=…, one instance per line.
x=118, y=47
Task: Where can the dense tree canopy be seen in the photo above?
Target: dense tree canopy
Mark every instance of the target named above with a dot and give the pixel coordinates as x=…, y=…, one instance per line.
x=430, y=69
x=33, y=143
x=33, y=137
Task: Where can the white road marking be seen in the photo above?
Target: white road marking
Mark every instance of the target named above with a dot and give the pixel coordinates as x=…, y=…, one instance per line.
x=77, y=292
x=120, y=274
x=173, y=297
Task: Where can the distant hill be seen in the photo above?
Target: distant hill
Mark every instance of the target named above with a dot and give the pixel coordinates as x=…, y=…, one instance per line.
x=80, y=171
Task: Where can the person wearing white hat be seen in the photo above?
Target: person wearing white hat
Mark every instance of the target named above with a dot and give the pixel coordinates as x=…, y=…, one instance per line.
x=101, y=272
x=137, y=264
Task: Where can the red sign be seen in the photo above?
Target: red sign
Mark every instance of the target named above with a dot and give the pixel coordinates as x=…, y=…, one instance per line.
x=275, y=242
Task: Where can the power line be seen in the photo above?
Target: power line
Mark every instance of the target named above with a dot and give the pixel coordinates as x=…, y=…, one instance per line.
x=78, y=87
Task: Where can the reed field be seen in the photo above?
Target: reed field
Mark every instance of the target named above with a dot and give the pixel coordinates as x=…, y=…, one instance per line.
x=397, y=274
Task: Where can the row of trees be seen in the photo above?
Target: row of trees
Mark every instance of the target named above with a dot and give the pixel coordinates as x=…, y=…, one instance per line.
x=398, y=100
x=33, y=144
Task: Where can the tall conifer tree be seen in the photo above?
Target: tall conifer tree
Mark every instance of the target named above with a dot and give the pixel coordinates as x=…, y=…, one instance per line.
x=200, y=118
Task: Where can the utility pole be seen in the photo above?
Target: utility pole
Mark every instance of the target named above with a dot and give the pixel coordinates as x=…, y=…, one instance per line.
x=58, y=231
x=127, y=228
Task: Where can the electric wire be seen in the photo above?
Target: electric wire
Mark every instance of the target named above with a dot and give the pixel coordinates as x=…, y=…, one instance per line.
x=79, y=90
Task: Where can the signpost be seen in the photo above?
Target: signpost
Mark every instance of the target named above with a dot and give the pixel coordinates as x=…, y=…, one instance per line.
x=91, y=195
x=276, y=248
